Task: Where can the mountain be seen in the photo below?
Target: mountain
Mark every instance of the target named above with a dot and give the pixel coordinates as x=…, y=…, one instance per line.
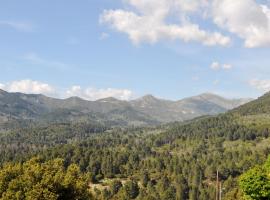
x=147, y=110
x=185, y=109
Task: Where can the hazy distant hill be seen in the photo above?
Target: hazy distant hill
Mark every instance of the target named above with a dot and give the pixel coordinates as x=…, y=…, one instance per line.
x=147, y=110
x=188, y=108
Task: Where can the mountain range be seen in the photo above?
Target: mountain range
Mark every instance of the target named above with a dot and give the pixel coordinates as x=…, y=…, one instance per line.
x=147, y=110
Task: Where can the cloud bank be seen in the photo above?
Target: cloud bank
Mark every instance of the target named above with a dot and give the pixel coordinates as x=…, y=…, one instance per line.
x=89, y=93
x=150, y=21
x=28, y=86
x=94, y=94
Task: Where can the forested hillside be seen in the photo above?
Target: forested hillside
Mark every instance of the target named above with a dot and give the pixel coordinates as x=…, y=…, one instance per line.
x=174, y=161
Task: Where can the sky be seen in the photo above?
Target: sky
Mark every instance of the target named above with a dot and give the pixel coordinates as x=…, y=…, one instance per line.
x=129, y=48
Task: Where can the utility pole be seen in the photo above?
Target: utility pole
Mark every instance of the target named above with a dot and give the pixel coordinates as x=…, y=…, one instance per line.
x=220, y=190
x=217, y=187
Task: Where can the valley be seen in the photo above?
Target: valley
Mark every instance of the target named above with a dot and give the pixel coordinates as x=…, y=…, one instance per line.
x=176, y=160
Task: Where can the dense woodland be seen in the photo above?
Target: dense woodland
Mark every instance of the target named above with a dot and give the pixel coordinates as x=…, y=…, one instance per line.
x=173, y=161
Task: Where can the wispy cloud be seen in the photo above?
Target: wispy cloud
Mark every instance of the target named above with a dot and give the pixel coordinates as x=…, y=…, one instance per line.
x=217, y=66
x=216, y=82
x=37, y=60
x=18, y=25
x=73, y=40
x=104, y=36
x=195, y=78
x=262, y=85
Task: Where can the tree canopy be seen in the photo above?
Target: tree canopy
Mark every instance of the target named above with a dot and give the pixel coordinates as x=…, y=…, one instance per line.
x=255, y=183
x=38, y=180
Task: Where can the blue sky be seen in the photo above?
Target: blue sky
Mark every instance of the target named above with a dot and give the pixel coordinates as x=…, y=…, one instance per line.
x=126, y=49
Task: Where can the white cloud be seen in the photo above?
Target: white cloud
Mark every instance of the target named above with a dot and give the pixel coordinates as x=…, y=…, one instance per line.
x=94, y=94
x=262, y=85
x=147, y=22
x=245, y=18
x=18, y=25
x=217, y=66
x=29, y=87
x=2, y=86
x=36, y=87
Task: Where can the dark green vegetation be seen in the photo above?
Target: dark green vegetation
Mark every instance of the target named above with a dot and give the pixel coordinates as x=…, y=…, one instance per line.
x=17, y=143
x=174, y=161
x=147, y=110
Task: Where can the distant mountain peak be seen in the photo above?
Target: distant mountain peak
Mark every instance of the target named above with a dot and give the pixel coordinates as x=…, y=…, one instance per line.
x=108, y=99
x=148, y=97
x=147, y=100
x=209, y=95
x=74, y=98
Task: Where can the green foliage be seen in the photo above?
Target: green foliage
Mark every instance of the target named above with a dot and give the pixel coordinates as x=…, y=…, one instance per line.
x=169, y=194
x=145, y=179
x=131, y=189
x=36, y=179
x=255, y=183
x=116, y=186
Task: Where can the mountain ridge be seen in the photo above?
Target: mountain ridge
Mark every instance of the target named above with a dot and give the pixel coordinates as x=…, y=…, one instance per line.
x=146, y=110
